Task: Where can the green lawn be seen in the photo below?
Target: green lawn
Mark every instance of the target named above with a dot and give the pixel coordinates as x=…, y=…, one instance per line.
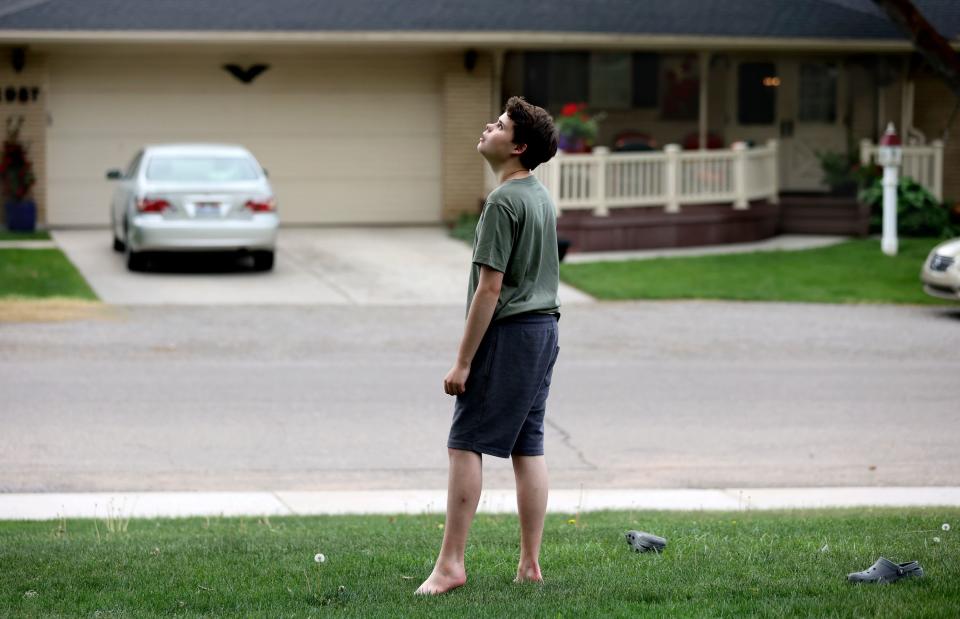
x=40, y=273
x=715, y=564
x=39, y=235
x=852, y=272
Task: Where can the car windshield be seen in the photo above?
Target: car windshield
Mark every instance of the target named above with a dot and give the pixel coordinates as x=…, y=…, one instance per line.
x=201, y=169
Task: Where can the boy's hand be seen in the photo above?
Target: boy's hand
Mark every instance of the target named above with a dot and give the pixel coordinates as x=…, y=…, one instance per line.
x=456, y=381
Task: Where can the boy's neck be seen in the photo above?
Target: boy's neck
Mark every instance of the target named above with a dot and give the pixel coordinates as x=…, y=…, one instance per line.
x=510, y=170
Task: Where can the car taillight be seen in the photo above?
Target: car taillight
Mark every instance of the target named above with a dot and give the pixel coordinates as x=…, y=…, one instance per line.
x=153, y=205
x=264, y=205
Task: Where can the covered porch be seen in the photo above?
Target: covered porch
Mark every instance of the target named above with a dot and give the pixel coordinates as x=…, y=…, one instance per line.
x=719, y=131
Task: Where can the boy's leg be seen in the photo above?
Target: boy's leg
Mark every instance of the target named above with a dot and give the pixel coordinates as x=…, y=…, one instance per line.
x=463, y=495
x=532, y=482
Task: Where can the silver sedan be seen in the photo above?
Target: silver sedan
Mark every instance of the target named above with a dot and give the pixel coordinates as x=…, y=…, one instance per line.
x=193, y=197
x=941, y=271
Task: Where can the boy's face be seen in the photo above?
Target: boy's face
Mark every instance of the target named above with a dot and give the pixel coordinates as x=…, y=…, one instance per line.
x=496, y=144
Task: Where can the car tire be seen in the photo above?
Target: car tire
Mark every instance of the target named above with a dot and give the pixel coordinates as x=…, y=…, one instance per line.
x=136, y=260
x=262, y=260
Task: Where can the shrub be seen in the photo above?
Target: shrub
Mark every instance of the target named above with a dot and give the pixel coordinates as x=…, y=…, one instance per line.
x=918, y=212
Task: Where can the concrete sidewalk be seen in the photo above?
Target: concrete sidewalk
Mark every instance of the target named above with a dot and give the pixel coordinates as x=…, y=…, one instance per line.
x=783, y=242
x=46, y=506
x=28, y=245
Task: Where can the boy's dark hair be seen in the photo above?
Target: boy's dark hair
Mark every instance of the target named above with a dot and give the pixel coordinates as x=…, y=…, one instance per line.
x=534, y=127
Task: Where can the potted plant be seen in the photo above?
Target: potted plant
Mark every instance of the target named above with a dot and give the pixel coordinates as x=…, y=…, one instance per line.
x=16, y=176
x=577, y=129
x=841, y=172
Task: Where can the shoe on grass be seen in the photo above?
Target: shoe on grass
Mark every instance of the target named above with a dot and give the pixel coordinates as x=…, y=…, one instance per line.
x=886, y=571
x=640, y=541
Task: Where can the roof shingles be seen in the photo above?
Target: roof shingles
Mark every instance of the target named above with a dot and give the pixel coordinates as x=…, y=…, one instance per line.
x=832, y=19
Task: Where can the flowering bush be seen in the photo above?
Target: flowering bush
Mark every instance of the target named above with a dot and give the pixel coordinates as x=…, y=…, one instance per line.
x=575, y=125
x=16, y=171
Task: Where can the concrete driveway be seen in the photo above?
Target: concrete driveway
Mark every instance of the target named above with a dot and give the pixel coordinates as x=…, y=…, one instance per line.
x=314, y=266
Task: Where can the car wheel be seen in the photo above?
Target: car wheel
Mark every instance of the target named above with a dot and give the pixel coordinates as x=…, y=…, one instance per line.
x=262, y=260
x=136, y=260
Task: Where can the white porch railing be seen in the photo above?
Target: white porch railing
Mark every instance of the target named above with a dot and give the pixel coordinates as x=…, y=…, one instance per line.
x=602, y=181
x=923, y=164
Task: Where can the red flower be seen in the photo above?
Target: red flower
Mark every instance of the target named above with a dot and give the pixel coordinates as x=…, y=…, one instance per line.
x=569, y=109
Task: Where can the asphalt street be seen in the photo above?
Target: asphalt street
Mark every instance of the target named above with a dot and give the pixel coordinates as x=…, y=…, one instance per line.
x=349, y=397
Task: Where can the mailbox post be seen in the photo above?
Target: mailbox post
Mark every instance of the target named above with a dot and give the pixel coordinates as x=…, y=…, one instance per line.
x=889, y=155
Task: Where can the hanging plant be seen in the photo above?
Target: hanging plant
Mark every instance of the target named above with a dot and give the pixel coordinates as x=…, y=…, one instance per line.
x=16, y=171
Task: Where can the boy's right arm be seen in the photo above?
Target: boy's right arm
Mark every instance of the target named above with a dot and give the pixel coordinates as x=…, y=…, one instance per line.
x=478, y=320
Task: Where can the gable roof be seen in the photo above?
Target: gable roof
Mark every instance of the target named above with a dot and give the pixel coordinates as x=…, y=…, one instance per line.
x=813, y=19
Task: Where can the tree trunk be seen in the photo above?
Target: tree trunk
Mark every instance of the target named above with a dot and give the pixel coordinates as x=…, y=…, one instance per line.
x=927, y=41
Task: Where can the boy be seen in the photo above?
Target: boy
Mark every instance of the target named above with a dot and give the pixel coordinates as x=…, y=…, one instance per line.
x=502, y=374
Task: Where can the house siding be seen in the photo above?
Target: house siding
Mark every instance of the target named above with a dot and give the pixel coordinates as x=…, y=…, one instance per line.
x=467, y=106
x=34, y=128
x=933, y=104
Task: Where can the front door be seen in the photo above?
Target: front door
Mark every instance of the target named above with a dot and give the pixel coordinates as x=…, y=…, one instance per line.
x=797, y=101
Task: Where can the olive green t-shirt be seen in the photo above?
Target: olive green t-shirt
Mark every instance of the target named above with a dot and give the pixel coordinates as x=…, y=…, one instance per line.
x=517, y=235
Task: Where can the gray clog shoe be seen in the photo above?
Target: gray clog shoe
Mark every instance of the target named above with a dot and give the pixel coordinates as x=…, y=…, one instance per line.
x=641, y=541
x=886, y=571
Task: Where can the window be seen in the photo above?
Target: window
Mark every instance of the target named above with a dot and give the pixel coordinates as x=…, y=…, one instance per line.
x=134, y=164
x=554, y=78
x=610, y=84
x=757, y=84
x=646, y=80
x=201, y=169
x=818, y=93
x=606, y=80
x=681, y=87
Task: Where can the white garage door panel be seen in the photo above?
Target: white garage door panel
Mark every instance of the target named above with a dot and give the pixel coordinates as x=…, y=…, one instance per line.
x=345, y=140
x=382, y=202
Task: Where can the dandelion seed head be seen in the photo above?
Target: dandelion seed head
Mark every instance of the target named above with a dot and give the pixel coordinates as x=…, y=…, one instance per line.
x=936, y=540
x=319, y=558
x=945, y=526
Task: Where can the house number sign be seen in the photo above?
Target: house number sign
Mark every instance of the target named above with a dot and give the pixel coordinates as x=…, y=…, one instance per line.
x=19, y=94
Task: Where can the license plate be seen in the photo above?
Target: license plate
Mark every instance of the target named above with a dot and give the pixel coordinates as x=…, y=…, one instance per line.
x=208, y=209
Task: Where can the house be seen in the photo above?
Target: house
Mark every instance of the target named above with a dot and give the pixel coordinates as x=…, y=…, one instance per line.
x=368, y=112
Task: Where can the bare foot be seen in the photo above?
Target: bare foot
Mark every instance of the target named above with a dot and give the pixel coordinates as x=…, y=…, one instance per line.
x=528, y=573
x=443, y=579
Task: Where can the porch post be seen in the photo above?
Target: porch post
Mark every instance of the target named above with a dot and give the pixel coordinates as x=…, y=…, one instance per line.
x=865, y=147
x=600, y=180
x=704, y=84
x=937, y=169
x=740, y=175
x=672, y=172
x=774, y=197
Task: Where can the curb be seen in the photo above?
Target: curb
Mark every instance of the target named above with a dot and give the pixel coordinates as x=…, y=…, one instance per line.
x=47, y=506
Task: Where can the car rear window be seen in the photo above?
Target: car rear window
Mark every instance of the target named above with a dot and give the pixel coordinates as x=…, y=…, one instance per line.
x=201, y=169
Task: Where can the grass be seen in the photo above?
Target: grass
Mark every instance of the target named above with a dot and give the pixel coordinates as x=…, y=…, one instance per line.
x=38, y=235
x=40, y=273
x=851, y=272
x=791, y=563
x=465, y=227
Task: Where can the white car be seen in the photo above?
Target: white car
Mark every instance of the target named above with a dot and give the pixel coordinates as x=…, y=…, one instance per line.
x=193, y=197
x=941, y=271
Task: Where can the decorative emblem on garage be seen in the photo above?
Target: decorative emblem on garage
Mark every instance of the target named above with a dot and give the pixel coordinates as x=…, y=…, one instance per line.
x=246, y=75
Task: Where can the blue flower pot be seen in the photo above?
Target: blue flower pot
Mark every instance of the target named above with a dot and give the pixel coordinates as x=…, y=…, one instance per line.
x=21, y=216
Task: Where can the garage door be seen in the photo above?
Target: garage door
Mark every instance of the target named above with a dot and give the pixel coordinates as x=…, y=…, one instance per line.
x=345, y=139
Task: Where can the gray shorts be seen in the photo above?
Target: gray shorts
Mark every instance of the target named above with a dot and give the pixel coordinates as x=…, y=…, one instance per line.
x=501, y=411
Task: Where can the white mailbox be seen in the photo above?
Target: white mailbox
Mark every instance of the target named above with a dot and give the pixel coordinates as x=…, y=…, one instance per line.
x=889, y=155
x=890, y=152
